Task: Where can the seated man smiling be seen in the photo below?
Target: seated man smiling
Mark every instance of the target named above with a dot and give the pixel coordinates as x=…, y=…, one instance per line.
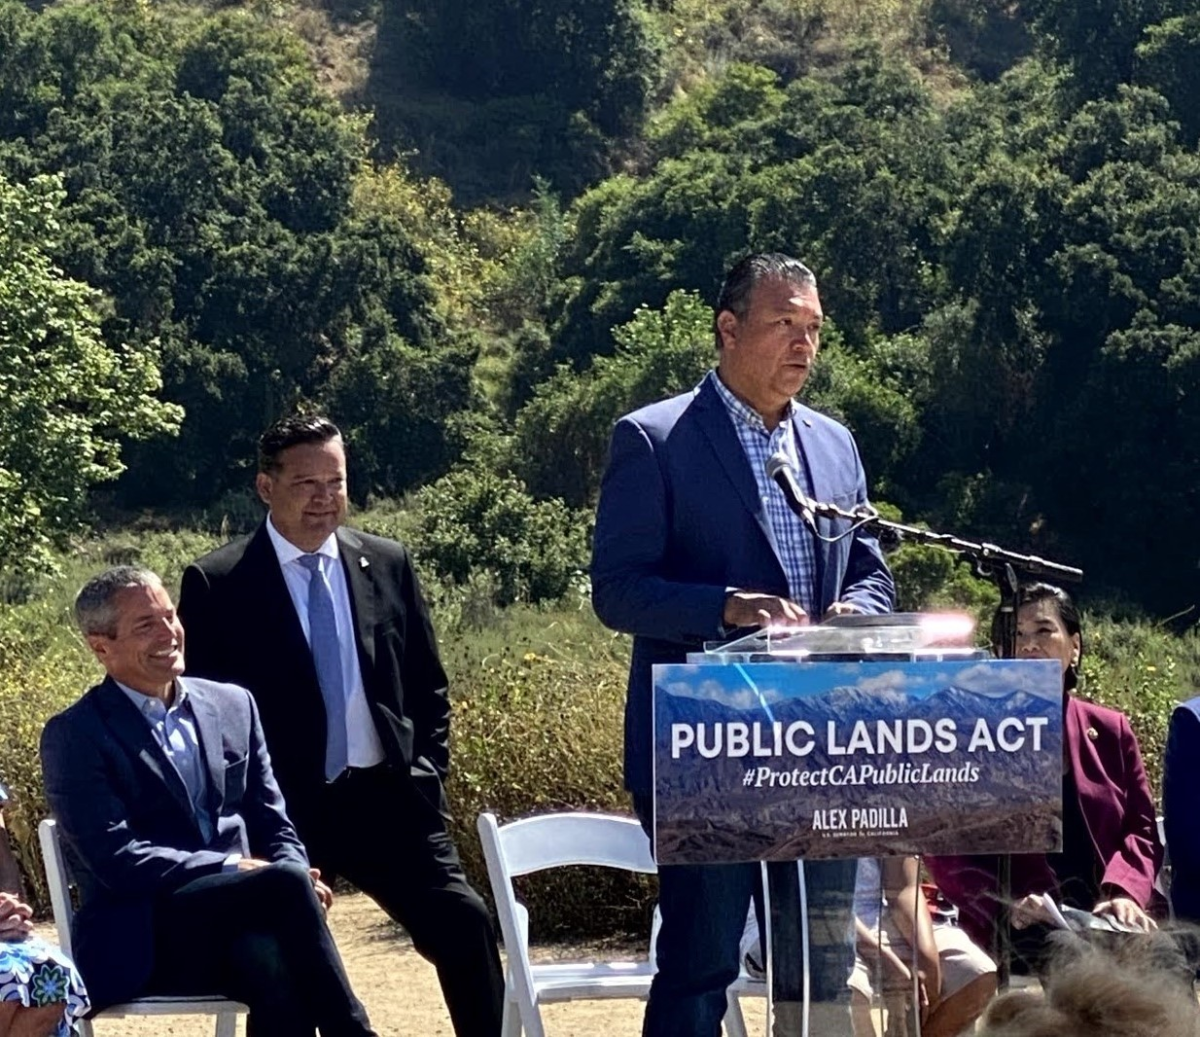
x=191, y=877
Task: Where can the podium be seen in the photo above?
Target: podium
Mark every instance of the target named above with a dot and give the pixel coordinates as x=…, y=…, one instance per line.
x=864, y=738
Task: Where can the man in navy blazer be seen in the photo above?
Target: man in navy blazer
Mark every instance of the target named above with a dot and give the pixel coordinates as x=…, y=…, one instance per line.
x=192, y=879
x=1181, y=805
x=694, y=542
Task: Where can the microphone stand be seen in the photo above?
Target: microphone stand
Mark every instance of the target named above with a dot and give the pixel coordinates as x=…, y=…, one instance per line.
x=988, y=559
x=1001, y=566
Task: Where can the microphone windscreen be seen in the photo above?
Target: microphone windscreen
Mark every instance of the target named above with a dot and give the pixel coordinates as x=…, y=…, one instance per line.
x=777, y=462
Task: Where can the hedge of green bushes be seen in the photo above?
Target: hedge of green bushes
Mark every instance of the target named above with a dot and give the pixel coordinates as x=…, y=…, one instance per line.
x=538, y=693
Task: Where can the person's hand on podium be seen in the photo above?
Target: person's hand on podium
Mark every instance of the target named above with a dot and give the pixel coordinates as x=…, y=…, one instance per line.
x=841, y=608
x=753, y=609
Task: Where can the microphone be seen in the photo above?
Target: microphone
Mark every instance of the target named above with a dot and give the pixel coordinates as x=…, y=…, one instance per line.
x=779, y=468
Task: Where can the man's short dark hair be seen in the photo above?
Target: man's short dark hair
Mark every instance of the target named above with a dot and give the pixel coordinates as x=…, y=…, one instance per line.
x=293, y=431
x=748, y=272
x=95, y=613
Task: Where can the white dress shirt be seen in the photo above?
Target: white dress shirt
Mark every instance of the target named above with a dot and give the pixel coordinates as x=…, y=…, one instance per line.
x=364, y=749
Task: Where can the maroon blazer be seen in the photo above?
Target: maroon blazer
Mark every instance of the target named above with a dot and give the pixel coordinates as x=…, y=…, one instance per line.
x=1115, y=799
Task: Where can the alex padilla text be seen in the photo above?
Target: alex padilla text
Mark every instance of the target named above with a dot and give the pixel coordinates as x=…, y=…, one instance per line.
x=875, y=819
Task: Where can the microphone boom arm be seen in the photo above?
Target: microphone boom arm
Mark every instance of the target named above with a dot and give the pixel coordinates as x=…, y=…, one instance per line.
x=987, y=558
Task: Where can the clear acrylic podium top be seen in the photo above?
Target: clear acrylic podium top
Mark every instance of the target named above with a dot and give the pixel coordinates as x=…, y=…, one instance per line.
x=880, y=638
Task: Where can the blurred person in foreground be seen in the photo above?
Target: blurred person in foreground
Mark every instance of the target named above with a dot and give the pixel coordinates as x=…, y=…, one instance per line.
x=327, y=628
x=1111, y=851
x=41, y=992
x=191, y=878
x=694, y=542
x=1137, y=989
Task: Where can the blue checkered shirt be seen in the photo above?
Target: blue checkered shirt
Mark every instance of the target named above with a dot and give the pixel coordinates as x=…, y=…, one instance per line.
x=793, y=540
x=174, y=729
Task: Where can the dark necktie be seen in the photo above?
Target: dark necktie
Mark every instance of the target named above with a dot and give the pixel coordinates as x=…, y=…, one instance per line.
x=327, y=658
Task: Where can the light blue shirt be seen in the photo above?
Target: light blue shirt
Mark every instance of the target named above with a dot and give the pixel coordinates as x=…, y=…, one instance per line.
x=174, y=729
x=363, y=746
x=793, y=540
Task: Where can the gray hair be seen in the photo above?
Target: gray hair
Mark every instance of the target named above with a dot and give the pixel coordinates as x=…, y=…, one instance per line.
x=95, y=613
x=750, y=271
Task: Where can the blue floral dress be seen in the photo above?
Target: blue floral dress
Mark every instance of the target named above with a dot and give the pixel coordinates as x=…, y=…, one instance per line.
x=37, y=973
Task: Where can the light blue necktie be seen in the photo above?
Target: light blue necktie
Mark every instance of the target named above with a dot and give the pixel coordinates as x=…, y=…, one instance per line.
x=327, y=657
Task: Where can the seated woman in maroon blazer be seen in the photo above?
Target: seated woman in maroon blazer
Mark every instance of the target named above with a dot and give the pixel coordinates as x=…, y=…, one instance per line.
x=1111, y=852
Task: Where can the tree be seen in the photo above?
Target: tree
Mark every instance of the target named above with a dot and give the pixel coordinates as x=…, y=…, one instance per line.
x=848, y=171
x=210, y=194
x=561, y=436
x=475, y=522
x=1169, y=62
x=591, y=56
x=66, y=399
x=1098, y=39
x=399, y=408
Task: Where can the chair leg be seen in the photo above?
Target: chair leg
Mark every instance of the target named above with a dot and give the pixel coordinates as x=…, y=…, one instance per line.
x=735, y=1022
x=530, y=1016
x=226, y=1024
x=510, y=1025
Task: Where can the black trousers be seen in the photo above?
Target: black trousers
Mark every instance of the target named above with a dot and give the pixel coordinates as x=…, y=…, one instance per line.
x=374, y=829
x=260, y=937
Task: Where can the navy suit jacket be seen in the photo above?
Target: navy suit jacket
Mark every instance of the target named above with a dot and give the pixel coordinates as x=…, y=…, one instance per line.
x=680, y=524
x=1181, y=808
x=127, y=824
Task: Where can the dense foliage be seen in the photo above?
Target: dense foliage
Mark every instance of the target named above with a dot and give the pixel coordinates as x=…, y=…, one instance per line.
x=209, y=185
x=1009, y=255
x=1002, y=204
x=66, y=398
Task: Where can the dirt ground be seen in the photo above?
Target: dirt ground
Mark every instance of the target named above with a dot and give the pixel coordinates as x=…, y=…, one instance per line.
x=400, y=988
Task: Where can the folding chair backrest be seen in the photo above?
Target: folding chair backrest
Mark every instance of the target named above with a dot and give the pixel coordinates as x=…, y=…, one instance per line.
x=551, y=841
x=557, y=840
x=58, y=880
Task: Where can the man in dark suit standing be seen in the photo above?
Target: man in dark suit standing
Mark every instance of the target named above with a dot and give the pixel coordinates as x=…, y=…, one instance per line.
x=694, y=541
x=192, y=879
x=327, y=628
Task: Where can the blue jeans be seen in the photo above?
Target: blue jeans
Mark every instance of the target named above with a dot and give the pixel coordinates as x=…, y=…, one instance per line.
x=703, y=911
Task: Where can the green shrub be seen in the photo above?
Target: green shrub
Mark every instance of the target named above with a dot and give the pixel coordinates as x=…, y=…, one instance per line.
x=538, y=704
x=931, y=578
x=44, y=667
x=473, y=521
x=1142, y=670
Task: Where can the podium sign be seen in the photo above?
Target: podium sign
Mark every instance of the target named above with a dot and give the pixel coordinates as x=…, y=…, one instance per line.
x=779, y=760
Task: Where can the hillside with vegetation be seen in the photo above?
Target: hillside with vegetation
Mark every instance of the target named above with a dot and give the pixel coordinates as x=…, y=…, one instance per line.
x=477, y=232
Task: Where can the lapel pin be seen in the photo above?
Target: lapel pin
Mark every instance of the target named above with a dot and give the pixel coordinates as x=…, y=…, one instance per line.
x=1092, y=733
x=362, y=562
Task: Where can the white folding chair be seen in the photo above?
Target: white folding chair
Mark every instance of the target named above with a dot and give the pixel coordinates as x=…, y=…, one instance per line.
x=58, y=879
x=1162, y=881
x=553, y=841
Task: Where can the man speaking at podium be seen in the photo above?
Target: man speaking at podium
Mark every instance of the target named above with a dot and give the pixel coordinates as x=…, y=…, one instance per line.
x=695, y=541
